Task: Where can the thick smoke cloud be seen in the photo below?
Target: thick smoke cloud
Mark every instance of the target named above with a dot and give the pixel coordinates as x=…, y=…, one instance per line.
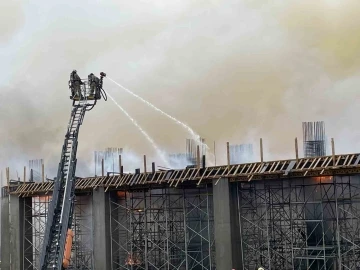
x=233, y=70
x=12, y=18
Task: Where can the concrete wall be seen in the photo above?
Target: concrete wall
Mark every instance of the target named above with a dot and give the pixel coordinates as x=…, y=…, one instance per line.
x=15, y=225
x=5, y=233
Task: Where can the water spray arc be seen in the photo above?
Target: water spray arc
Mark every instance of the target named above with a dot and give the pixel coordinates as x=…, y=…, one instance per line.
x=158, y=151
x=192, y=132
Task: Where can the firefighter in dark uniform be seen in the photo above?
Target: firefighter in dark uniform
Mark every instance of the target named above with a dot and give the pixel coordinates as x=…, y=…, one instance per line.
x=75, y=83
x=94, y=83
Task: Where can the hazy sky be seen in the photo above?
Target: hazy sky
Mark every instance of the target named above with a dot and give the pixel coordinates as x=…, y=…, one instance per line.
x=233, y=70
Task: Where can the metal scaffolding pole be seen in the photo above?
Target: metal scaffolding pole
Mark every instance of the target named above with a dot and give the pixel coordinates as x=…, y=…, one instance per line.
x=83, y=230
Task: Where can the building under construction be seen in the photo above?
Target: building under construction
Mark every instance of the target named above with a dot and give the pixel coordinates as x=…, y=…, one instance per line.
x=301, y=213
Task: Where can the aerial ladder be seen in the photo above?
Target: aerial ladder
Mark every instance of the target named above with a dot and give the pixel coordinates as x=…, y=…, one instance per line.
x=56, y=248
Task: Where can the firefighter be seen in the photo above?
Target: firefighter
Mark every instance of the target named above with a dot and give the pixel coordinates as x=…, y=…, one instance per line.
x=75, y=83
x=94, y=84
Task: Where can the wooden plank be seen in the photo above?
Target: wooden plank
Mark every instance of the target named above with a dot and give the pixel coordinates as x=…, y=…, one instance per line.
x=201, y=178
x=290, y=167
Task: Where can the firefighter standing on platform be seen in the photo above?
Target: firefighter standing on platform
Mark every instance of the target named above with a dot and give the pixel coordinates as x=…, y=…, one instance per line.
x=94, y=84
x=75, y=83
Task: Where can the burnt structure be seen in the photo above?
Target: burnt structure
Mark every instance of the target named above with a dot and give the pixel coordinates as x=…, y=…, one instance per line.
x=290, y=214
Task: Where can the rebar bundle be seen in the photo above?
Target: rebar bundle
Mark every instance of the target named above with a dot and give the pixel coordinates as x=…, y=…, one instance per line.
x=242, y=153
x=35, y=167
x=191, y=149
x=314, y=139
x=111, y=159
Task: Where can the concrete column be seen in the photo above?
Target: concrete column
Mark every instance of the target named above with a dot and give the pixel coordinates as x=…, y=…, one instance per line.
x=5, y=233
x=101, y=229
x=16, y=229
x=226, y=225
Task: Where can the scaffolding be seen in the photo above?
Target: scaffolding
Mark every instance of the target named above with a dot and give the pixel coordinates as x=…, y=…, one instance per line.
x=293, y=223
x=82, y=254
x=293, y=214
x=35, y=214
x=162, y=228
x=310, y=223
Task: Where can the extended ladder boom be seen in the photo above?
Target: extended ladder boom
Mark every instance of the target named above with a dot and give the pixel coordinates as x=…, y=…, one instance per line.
x=61, y=208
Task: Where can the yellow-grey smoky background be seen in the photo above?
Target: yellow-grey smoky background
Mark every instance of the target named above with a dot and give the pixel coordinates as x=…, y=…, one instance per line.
x=233, y=70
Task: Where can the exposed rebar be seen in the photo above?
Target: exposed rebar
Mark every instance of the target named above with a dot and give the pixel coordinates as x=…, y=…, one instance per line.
x=241, y=153
x=314, y=139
